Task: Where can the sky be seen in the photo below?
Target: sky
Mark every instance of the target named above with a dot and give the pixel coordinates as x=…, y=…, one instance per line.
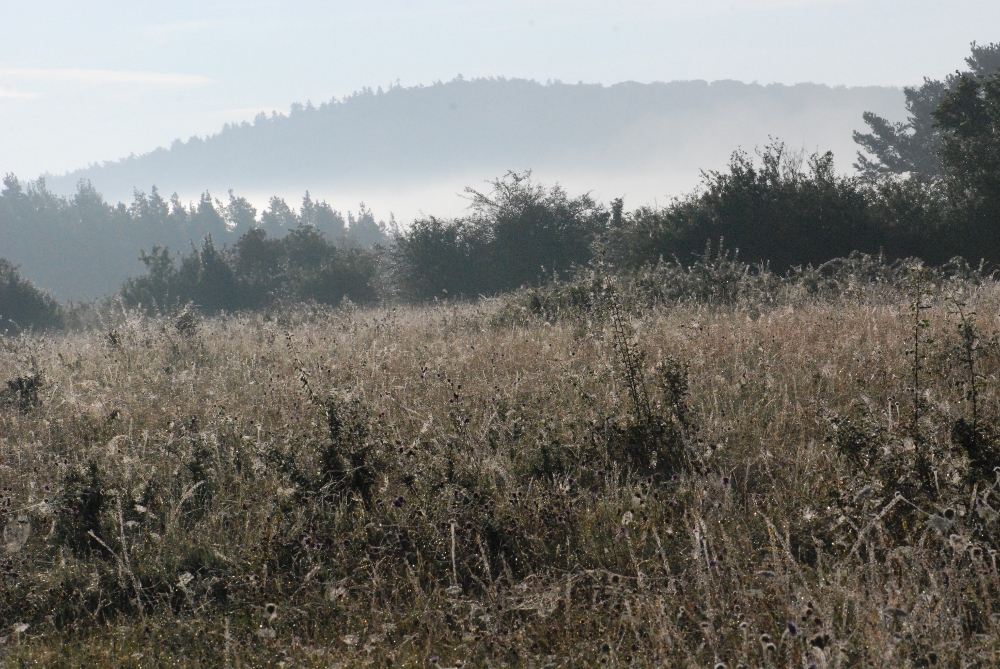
x=86, y=82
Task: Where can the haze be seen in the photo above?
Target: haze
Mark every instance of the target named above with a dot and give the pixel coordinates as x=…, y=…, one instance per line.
x=84, y=83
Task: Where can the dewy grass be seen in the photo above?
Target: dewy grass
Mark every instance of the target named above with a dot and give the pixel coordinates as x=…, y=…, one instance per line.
x=440, y=485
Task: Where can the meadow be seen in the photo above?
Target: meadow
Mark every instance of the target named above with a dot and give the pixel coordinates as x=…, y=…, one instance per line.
x=777, y=476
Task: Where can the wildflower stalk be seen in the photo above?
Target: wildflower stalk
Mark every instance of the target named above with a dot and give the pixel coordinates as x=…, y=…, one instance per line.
x=920, y=292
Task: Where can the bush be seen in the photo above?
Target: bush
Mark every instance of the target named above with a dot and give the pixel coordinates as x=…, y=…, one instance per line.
x=787, y=210
x=256, y=273
x=520, y=233
x=22, y=305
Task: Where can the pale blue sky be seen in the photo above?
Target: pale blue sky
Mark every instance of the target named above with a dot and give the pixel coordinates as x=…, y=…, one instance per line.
x=83, y=82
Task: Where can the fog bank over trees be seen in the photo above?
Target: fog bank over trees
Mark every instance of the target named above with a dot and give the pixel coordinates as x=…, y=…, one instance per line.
x=408, y=149
x=344, y=168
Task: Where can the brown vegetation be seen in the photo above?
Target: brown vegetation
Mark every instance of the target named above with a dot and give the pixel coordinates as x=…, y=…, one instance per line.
x=753, y=485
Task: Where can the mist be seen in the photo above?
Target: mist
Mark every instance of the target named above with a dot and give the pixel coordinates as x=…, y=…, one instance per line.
x=666, y=334
x=408, y=150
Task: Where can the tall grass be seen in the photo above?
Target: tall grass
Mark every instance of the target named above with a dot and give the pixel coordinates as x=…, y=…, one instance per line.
x=688, y=483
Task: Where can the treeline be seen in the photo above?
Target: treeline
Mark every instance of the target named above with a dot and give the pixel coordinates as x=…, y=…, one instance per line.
x=83, y=247
x=256, y=272
x=779, y=208
x=406, y=136
x=520, y=232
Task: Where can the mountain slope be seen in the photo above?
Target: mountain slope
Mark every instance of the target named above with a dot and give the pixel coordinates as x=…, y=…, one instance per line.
x=461, y=132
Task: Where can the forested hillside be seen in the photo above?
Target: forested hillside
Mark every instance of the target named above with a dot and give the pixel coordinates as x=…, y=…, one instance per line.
x=470, y=130
x=782, y=210
x=69, y=237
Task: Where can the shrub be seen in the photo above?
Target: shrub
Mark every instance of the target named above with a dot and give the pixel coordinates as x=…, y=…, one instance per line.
x=256, y=273
x=22, y=305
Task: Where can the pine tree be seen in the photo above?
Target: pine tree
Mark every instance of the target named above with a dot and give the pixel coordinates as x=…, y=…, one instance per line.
x=915, y=146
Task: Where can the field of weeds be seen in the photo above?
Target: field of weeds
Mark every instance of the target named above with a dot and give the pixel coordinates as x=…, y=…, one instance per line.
x=803, y=483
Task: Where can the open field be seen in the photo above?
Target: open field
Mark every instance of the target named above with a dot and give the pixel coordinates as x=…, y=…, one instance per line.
x=683, y=487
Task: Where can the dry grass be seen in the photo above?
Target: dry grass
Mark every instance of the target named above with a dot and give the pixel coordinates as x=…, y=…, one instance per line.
x=410, y=487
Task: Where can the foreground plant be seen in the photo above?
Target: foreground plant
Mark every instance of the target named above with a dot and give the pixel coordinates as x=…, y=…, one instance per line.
x=697, y=486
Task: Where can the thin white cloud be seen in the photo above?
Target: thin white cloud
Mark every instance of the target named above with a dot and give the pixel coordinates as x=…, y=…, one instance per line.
x=86, y=76
x=714, y=7
x=618, y=6
x=8, y=93
x=764, y=5
x=165, y=30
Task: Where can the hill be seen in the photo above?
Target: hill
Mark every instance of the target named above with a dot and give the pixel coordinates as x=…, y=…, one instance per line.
x=411, y=148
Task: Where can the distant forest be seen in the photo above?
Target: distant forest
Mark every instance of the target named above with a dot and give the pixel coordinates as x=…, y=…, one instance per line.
x=927, y=187
x=405, y=136
x=84, y=247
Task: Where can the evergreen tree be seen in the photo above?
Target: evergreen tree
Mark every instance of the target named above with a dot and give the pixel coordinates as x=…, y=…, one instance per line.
x=323, y=217
x=240, y=215
x=278, y=217
x=971, y=150
x=970, y=115
x=365, y=231
x=914, y=146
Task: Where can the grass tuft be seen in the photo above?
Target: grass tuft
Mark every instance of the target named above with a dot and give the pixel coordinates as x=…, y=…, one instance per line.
x=806, y=479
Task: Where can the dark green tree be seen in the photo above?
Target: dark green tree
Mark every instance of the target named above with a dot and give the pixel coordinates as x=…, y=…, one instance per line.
x=258, y=271
x=365, y=231
x=256, y=261
x=971, y=150
x=323, y=217
x=158, y=290
x=240, y=215
x=914, y=146
x=22, y=305
x=970, y=115
x=278, y=217
x=207, y=279
x=532, y=231
x=437, y=258
x=785, y=209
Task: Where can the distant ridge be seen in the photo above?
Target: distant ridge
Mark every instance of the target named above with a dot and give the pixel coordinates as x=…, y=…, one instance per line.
x=410, y=135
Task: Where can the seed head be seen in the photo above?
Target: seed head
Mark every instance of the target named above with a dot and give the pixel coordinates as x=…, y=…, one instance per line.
x=820, y=641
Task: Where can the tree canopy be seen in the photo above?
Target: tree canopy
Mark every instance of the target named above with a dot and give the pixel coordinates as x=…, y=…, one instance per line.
x=914, y=146
x=83, y=247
